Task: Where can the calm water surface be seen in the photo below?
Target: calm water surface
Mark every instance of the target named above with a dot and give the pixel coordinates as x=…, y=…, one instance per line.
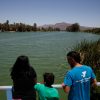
x=46, y=51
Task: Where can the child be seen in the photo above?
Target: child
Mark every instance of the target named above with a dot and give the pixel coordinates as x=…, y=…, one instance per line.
x=46, y=91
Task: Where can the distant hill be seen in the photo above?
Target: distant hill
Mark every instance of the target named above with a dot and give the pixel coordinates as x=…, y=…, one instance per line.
x=62, y=26
x=85, y=28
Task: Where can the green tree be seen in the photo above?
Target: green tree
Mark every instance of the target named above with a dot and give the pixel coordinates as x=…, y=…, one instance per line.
x=35, y=27
x=43, y=29
x=56, y=29
x=7, y=22
x=49, y=29
x=6, y=25
x=69, y=29
x=0, y=26
x=73, y=28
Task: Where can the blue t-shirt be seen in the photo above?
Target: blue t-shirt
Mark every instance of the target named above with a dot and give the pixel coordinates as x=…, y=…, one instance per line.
x=78, y=79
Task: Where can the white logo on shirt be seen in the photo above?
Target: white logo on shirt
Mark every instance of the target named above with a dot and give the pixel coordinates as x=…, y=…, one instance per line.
x=83, y=74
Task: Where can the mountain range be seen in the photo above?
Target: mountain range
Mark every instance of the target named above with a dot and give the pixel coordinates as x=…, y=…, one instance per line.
x=63, y=26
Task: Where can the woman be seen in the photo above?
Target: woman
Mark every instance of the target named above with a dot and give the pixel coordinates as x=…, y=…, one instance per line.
x=24, y=78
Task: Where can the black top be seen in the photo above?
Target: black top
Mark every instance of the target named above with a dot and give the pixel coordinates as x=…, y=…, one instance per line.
x=23, y=84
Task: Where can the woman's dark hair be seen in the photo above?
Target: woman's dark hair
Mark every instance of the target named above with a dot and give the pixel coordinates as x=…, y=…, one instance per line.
x=21, y=64
x=75, y=55
x=48, y=78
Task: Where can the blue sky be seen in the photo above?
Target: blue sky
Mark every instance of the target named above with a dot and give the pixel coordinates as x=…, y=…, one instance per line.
x=85, y=12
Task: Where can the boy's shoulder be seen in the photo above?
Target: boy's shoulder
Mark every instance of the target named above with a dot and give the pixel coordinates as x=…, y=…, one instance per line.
x=38, y=85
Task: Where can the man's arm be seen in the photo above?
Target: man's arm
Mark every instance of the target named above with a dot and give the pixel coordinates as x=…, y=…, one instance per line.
x=66, y=88
x=94, y=82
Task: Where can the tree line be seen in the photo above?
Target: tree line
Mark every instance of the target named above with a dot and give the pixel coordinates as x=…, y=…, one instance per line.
x=21, y=27
x=94, y=30
x=17, y=27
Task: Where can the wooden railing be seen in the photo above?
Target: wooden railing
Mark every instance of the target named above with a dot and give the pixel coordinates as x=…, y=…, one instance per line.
x=9, y=88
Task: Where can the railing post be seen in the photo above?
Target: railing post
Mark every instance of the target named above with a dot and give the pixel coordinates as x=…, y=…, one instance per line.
x=8, y=90
x=9, y=94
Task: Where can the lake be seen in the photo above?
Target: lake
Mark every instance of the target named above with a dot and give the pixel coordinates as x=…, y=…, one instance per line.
x=46, y=51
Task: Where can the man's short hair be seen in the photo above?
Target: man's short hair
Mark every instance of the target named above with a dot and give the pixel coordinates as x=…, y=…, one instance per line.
x=75, y=55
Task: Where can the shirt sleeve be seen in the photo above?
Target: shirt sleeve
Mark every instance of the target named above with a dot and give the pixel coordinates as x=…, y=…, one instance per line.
x=92, y=75
x=68, y=79
x=36, y=86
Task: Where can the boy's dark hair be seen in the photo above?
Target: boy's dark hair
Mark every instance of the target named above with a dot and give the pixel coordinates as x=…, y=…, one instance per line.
x=75, y=55
x=48, y=78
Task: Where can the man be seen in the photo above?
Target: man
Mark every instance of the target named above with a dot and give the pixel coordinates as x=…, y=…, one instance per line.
x=77, y=81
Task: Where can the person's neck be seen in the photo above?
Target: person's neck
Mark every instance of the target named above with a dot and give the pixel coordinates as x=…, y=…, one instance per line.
x=78, y=65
